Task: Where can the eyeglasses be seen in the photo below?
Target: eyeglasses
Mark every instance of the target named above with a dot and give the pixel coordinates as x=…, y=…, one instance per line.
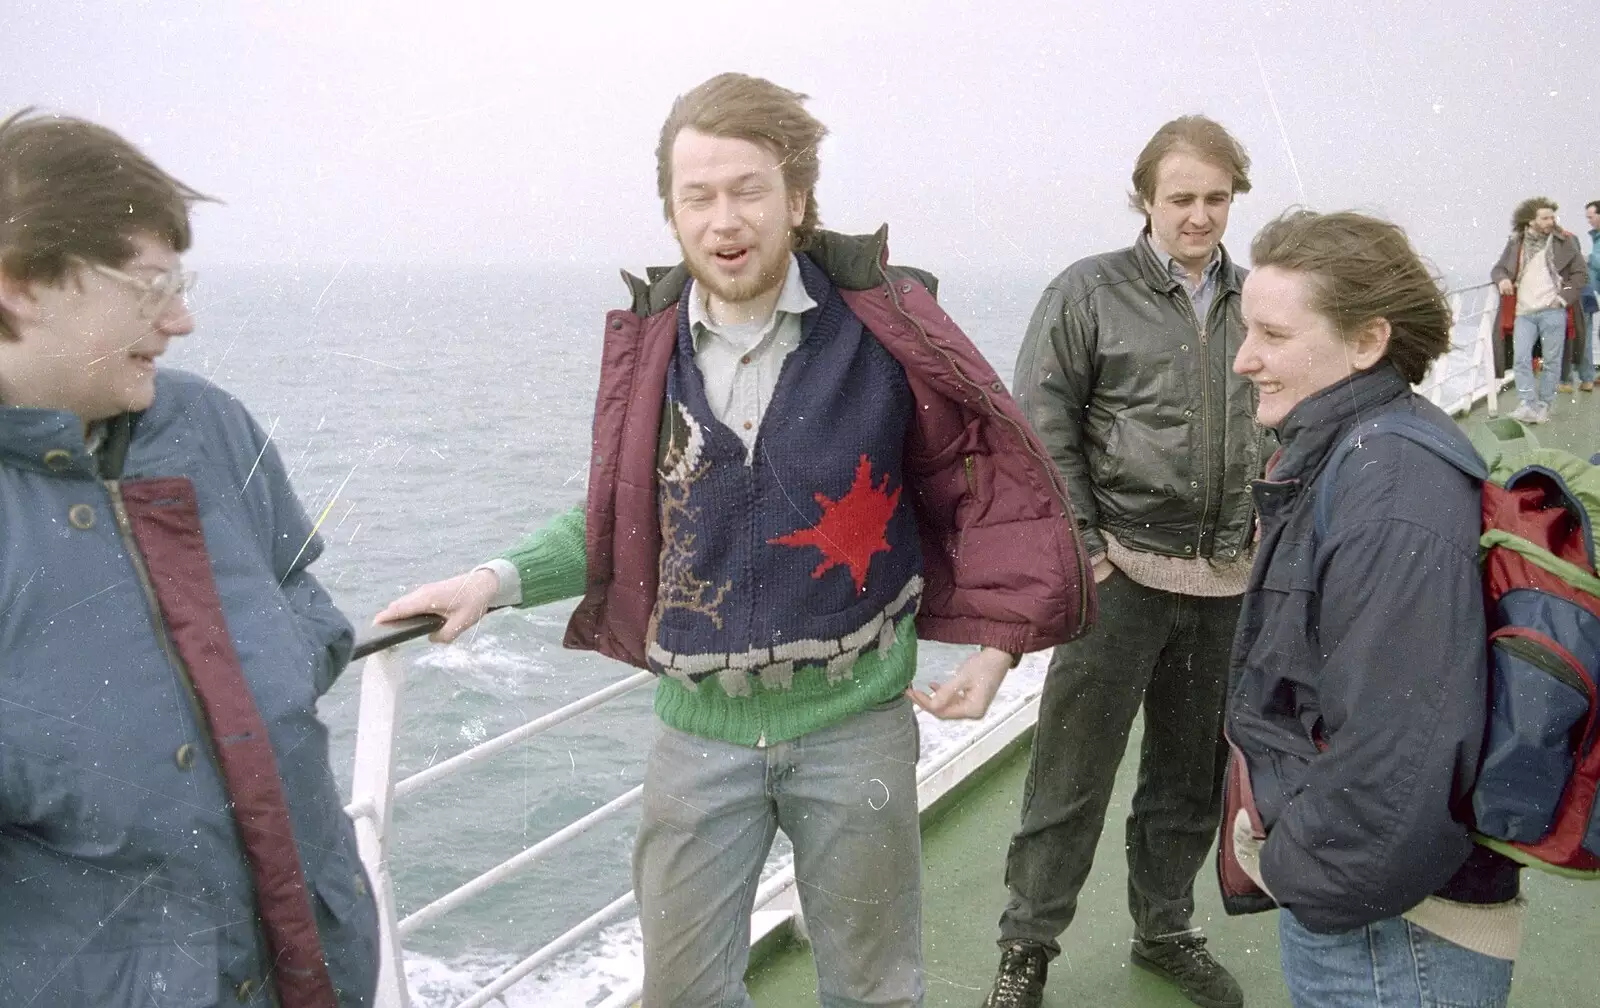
x=156, y=294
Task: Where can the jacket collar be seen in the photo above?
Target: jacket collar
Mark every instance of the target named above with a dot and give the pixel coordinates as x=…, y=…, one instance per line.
x=1160, y=278
x=1318, y=422
x=52, y=442
x=852, y=262
x=44, y=440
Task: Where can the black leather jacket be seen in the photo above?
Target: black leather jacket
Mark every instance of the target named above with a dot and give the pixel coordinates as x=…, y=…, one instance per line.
x=1138, y=404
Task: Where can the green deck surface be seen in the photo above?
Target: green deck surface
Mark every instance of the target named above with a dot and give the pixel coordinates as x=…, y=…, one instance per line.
x=964, y=891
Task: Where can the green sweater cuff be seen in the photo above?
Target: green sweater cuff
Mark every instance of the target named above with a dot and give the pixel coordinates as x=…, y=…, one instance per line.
x=553, y=563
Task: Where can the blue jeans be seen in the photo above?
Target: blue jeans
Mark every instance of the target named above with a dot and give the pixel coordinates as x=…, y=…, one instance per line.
x=846, y=796
x=1548, y=328
x=1390, y=964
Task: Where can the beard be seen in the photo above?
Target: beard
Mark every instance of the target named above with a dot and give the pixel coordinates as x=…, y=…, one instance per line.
x=773, y=270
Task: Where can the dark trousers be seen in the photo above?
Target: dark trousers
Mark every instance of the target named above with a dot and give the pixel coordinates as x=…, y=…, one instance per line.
x=1169, y=653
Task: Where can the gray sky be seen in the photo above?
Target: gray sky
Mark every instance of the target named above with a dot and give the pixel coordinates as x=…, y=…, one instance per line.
x=997, y=134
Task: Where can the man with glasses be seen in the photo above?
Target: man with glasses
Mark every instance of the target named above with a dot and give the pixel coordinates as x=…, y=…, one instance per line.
x=170, y=831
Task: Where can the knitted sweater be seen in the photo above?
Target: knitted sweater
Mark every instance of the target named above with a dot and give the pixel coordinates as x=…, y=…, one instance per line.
x=552, y=565
x=805, y=551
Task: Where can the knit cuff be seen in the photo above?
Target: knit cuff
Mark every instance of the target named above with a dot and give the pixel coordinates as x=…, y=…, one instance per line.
x=552, y=563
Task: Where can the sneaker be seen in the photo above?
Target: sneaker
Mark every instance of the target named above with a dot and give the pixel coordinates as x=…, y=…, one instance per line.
x=1542, y=413
x=1184, y=961
x=1587, y=386
x=1020, y=981
x=1525, y=413
x=1564, y=388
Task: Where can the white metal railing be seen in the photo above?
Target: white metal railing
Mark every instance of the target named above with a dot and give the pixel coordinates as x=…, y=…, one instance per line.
x=374, y=792
x=1456, y=382
x=1465, y=375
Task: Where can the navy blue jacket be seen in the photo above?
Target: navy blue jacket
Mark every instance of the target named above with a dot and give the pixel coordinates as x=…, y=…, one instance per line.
x=1359, y=668
x=122, y=875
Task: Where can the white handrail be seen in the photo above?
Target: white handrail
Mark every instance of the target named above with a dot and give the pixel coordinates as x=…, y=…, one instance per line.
x=509, y=867
x=1478, y=349
x=503, y=982
x=499, y=743
x=382, y=677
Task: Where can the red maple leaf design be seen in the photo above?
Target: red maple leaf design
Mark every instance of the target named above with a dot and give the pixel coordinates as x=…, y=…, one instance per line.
x=851, y=529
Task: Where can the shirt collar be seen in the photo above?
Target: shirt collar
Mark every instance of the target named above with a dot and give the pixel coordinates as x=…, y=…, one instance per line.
x=792, y=300
x=1175, y=268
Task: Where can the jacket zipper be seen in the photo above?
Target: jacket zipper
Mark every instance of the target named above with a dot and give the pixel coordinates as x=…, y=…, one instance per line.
x=1205, y=421
x=1049, y=467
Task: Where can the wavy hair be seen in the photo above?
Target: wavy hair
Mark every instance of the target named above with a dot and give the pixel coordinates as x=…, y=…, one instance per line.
x=1361, y=268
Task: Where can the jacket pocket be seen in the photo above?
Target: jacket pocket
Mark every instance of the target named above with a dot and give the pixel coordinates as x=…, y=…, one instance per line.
x=1538, y=698
x=169, y=975
x=1240, y=893
x=347, y=922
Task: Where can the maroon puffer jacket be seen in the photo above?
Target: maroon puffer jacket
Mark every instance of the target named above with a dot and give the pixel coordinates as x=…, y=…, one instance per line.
x=1002, y=562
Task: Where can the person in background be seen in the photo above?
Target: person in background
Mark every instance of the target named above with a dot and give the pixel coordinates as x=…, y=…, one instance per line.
x=1361, y=680
x=1591, y=294
x=800, y=465
x=170, y=827
x=1540, y=275
x=1124, y=373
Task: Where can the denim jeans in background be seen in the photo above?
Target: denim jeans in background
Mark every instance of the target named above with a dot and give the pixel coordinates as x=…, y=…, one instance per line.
x=1583, y=360
x=1389, y=964
x=846, y=796
x=1548, y=328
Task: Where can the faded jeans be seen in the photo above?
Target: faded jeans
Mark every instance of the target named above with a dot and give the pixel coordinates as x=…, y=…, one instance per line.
x=846, y=796
x=1389, y=964
x=1548, y=328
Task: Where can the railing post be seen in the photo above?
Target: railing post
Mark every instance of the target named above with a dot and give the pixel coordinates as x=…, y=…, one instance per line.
x=372, y=795
x=1485, y=353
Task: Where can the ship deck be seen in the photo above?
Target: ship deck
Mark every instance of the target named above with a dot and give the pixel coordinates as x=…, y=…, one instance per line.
x=964, y=852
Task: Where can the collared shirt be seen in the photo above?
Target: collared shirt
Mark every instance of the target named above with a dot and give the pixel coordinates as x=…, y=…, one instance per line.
x=1201, y=293
x=740, y=363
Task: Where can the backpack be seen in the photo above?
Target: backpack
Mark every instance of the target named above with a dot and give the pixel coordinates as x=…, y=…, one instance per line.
x=1534, y=800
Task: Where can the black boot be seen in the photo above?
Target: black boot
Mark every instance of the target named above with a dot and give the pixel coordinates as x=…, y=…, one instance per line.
x=1183, y=960
x=1020, y=981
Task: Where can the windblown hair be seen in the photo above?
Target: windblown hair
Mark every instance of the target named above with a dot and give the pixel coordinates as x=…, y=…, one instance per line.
x=1528, y=209
x=1360, y=269
x=1203, y=137
x=738, y=106
x=70, y=189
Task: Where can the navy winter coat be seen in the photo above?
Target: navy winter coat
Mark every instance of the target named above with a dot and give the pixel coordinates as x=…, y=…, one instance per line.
x=1359, y=669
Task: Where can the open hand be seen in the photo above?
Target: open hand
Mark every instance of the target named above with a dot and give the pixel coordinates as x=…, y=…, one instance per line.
x=970, y=689
x=461, y=600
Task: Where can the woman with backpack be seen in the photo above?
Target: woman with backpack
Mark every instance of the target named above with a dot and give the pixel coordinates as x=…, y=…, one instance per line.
x=1358, y=710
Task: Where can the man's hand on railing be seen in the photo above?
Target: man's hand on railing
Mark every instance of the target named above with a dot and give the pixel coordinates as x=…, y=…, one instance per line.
x=461, y=600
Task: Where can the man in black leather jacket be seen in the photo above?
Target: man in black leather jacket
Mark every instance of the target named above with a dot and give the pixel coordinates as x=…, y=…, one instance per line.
x=1125, y=374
